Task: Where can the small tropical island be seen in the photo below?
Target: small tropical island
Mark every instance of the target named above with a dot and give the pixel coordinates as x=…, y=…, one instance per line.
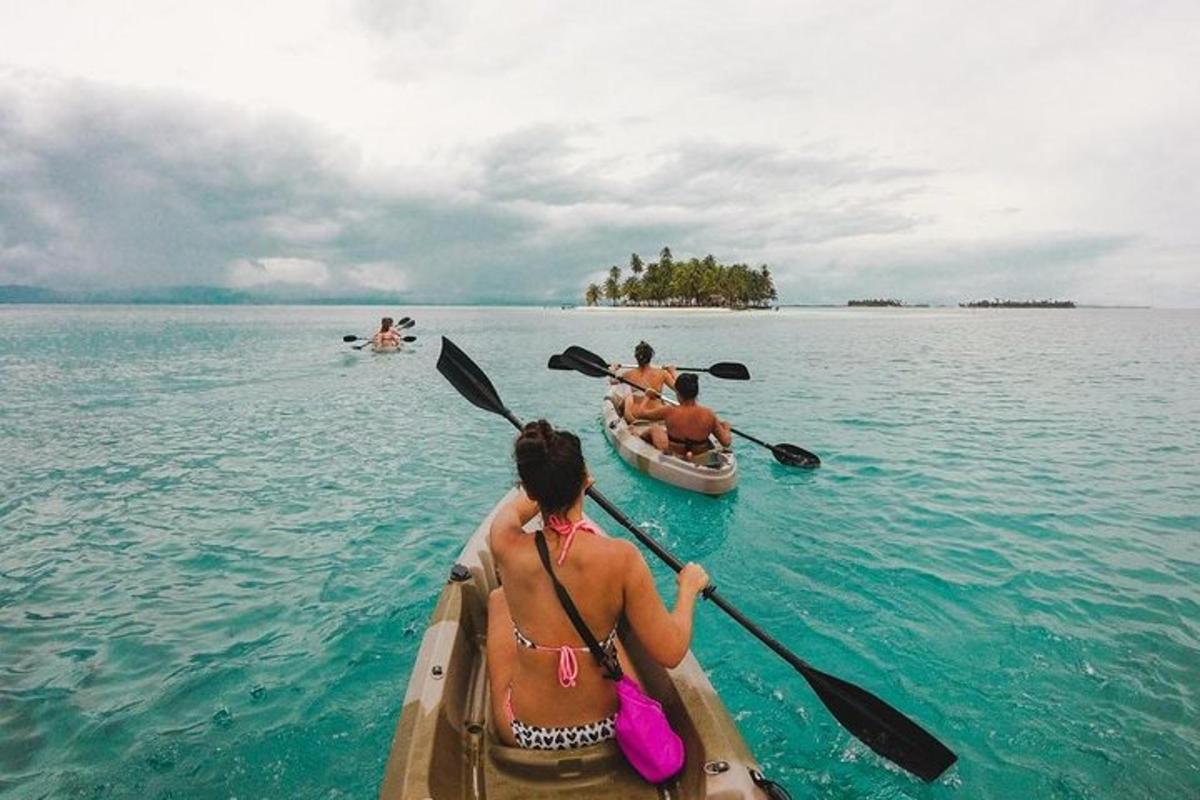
x=694, y=283
x=1018, y=304
x=878, y=302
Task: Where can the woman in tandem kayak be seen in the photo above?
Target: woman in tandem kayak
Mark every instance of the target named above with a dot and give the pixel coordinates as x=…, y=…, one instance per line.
x=688, y=426
x=647, y=376
x=386, y=336
x=547, y=690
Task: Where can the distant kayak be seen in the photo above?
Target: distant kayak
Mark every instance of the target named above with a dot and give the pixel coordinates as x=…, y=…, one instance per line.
x=714, y=472
x=386, y=348
x=444, y=746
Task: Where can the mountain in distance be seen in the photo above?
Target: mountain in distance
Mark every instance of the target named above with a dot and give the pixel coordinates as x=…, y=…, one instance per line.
x=278, y=294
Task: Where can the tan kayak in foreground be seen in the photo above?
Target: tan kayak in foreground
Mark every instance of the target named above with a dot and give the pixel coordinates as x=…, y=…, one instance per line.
x=445, y=747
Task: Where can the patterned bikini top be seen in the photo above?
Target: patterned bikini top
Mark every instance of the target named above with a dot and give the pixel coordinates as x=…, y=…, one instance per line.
x=568, y=664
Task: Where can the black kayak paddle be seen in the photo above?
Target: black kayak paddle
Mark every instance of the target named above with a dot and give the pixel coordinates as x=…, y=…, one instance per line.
x=588, y=363
x=368, y=341
x=879, y=726
x=726, y=370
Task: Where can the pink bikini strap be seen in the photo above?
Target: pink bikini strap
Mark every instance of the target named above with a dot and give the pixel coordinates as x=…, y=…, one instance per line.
x=568, y=529
x=568, y=667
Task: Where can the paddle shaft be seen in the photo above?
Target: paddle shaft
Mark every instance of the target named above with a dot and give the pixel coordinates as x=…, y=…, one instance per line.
x=681, y=369
x=403, y=339
x=710, y=593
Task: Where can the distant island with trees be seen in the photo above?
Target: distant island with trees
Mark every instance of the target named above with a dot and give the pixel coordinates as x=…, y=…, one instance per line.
x=696, y=283
x=875, y=302
x=1018, y=304
x=882, y=302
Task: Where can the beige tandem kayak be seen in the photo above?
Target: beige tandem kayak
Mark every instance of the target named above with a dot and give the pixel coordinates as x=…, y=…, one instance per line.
x=715, y=474
x=444, y=747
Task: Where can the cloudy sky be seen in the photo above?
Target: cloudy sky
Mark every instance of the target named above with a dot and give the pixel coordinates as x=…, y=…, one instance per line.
x=509, y=150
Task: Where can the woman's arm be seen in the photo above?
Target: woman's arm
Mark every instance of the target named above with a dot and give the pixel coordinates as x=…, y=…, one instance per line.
x=671, y=375
x=651, y=413
x=722, y=431
x=512, y=516
x=666, y=635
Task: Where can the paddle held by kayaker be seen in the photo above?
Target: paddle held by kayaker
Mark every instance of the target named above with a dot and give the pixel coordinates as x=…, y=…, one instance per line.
x=688, y=425
x=547, y=690
x=646, y=375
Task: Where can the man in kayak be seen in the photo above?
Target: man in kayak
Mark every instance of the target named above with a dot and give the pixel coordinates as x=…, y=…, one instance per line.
x=647, y=376
x=548, y=692
x=688, y=425
x=386, y=336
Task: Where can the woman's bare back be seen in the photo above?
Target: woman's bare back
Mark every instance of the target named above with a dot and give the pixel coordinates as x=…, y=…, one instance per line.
x=607, y=579
x=592, y=575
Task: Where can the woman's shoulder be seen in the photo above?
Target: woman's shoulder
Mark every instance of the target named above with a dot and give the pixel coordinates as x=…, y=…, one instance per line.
x=614, y=550
x=504, y=530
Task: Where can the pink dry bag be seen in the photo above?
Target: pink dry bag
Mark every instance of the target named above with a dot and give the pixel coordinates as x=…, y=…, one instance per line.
x=644, y=734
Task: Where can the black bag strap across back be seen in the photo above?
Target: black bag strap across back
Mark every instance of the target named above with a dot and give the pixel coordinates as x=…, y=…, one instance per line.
x=607, y=661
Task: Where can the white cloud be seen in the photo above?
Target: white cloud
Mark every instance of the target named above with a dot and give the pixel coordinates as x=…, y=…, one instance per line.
x=245, y=273
x=379, y=275
x=290, y=228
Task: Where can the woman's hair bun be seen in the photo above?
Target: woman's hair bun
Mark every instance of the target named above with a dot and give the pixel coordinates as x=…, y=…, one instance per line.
x=550, y=464
x=533, y=443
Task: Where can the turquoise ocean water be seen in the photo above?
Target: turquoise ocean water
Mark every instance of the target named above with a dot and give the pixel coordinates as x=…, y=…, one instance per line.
x=222, y=531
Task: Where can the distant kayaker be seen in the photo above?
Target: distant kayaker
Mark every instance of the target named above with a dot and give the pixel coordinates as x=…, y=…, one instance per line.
x=648, y=376
x=688, y=425
x=386, y=336
x=547, y=690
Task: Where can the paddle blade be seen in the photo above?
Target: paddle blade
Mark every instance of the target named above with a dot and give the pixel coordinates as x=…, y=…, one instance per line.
x=585, y=361
x=881, y=727
x=463, y=374
x=349, y=337
x=730, y=371
x=791, y=455
x=408, y=338
x=558, y=362
x=405, y=323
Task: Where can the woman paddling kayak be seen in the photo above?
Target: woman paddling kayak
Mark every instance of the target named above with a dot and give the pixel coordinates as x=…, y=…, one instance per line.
x=547, y=691
x=648, y=376
x=386, y=337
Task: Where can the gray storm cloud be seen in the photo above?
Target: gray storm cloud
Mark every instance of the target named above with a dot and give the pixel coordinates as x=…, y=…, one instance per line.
x=107, y=188
x=111, y=188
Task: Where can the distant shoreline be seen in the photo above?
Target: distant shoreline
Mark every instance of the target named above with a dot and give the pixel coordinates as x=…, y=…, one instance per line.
x=537, y=304
x=664, y=309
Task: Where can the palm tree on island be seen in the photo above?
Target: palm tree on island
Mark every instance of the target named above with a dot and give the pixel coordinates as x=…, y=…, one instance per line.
x=696, y=282
x=612, y=286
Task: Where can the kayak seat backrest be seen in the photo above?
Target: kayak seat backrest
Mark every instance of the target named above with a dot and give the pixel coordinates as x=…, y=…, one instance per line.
x=596, y=771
